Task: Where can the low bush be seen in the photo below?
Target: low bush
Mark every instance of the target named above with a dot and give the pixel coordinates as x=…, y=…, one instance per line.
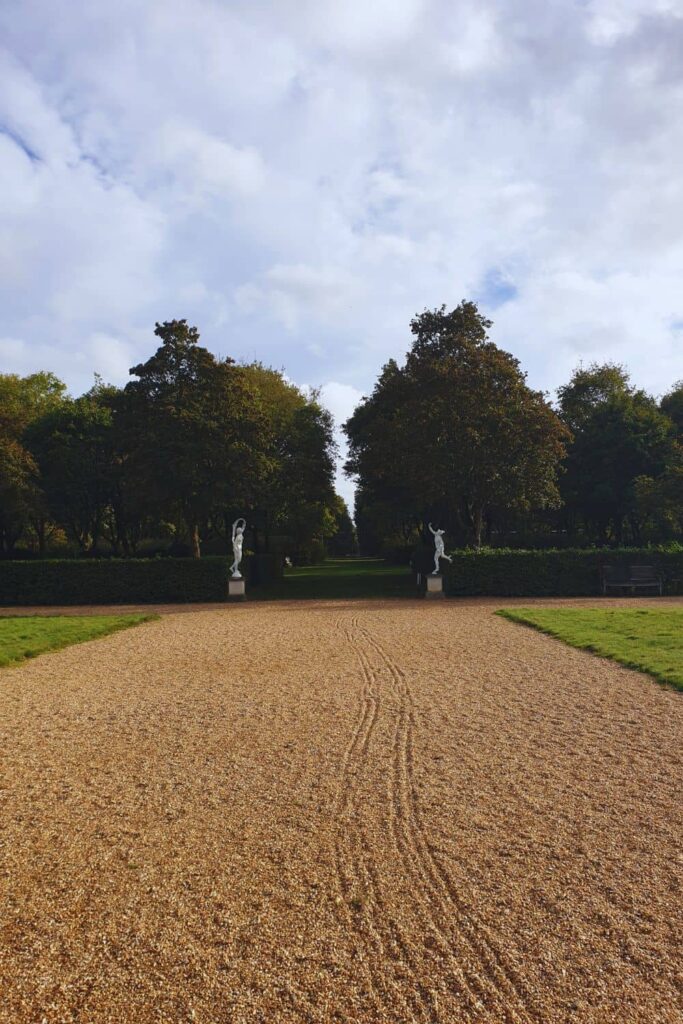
x=570, y=572
x=422, y=558
x=262, y=568
x=313, y=553
x=113, y=581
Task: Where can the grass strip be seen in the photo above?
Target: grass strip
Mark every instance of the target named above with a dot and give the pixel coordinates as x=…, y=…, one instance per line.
x=339, y=578
x=647, y=639
x=27, y=636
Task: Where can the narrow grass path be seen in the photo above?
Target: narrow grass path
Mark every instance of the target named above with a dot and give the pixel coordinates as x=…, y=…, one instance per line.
x=647, y=639
x=339, y=578
x=27, y=636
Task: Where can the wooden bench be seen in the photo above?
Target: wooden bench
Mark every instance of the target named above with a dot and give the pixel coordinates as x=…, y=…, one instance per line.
x=645, y=577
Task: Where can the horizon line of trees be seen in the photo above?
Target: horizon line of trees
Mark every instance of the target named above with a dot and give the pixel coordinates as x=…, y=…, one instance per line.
x=167, y=462
x=455, y=435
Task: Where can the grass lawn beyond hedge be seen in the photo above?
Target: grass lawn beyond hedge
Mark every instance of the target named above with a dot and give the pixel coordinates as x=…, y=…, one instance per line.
x=647, y=639
x=28, y=635
x=340, y=578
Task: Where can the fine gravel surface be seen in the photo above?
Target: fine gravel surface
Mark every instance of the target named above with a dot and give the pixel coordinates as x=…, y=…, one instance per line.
x=373, y=811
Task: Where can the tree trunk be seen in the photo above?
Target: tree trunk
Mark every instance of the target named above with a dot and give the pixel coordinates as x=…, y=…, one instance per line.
x=478, y=523
x=196, y=552
x=635, y=531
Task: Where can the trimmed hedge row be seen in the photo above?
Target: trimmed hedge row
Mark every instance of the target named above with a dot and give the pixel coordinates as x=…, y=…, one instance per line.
x=114, y=581
x=550, y=573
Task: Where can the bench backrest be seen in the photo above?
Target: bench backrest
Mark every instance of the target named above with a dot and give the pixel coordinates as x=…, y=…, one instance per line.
x=614, y=573
x=643, y=572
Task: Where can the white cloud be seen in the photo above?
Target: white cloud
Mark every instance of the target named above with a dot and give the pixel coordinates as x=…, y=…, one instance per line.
x=611, y=20
x=112, y=357
x=300, y=178
x=340, y=399
x=204, y=164
x=368, y=28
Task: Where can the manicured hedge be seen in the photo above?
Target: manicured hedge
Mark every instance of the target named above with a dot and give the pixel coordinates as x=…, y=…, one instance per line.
x=262, y=568
x=113, y=581
x=550, y=573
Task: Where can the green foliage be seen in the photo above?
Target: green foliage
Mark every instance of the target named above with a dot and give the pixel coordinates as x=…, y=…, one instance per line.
x=456, y=432
x=24, y=399
x=553, y=573
x=313, y=552
x=619, y=435
x=28, y=636
x=115, y=581
x=647, y=639
x=262, y=568
x=19, y=497
x=189, y=444
x=22, y=504
x=197, y=436
x=672, y=406
x=659, y=502
x=297, y=493
x=589, y=389
x=72, y=445
x=341, y=538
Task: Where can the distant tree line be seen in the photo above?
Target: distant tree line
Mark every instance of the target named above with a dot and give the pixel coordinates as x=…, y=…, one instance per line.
x=168, y=461
x=456, y=436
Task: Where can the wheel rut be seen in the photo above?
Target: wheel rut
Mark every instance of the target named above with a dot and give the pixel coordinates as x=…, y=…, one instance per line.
x=364, y=909
x=473, y=971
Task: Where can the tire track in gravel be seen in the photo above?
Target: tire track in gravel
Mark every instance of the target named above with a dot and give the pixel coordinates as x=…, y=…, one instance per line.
x=503, y=985
x=379, y=936
x=471, y=994
x=466, y=989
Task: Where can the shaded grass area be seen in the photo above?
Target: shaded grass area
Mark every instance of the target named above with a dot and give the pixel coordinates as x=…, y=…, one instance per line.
x=26, y=636
x=647, y=639
x=339, y=578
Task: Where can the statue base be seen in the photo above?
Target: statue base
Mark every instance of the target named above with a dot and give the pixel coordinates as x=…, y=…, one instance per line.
x=434, y=585
x=236, y=589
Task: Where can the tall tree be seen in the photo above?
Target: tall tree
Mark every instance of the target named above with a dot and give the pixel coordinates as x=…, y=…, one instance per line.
x=196, y=429
x=20, y=494
x=672, y=406
x=342, y=540
x=23, y=508
x=456, y=432
x=297, y=494
x=72, y=445
x=589, y=389
x=619, y=435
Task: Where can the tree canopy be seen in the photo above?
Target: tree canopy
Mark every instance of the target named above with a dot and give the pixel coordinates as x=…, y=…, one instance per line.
x=453, y=434
x=620, y=436
x=456, y=434
x=189, y=443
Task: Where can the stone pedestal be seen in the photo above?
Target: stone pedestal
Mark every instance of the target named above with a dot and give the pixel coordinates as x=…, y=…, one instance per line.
x=434, y=585
x=236, y=590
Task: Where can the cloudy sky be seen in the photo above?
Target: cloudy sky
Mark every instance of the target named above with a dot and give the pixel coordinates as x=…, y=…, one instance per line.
x=299, y=177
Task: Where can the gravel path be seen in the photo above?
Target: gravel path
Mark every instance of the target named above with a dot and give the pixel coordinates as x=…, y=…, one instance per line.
x=359, y=812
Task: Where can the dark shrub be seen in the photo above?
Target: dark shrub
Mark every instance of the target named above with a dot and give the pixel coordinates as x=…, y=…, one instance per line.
x=551, y=573
x=113, y=581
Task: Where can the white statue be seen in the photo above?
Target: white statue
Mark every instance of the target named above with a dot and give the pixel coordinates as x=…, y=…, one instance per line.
x=439, y=549
x=238, y=528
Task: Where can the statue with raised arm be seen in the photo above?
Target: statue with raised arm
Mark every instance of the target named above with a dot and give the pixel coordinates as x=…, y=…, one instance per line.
x=238, y=528
x=439, y=551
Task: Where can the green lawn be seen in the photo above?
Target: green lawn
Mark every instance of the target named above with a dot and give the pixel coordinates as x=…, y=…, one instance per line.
x=26, y=636
x=340, y=578
x=648, y=639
